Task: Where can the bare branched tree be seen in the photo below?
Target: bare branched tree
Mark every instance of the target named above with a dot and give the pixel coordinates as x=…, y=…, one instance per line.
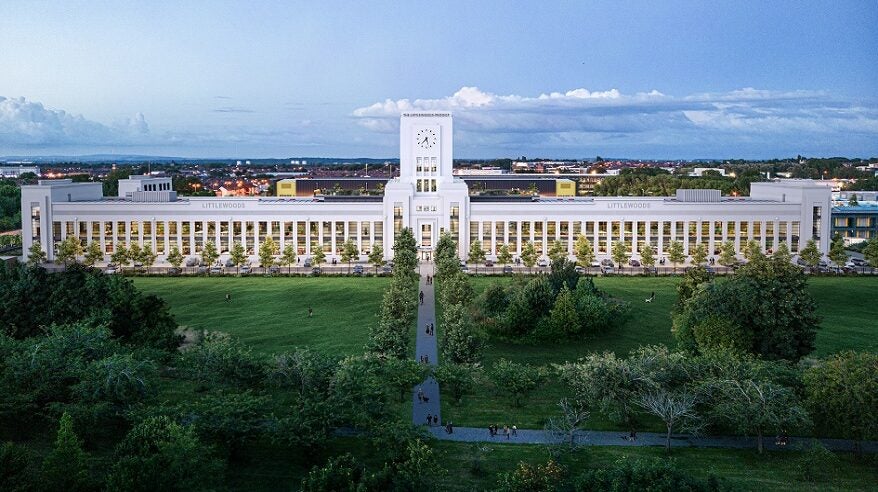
x=565, y=429
x=676, y=409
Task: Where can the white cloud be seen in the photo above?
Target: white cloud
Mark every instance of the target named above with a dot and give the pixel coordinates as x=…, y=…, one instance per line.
x=579, y=116
x=24, y=123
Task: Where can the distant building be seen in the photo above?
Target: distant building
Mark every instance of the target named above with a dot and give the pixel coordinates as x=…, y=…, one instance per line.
x=699, y=171
x=855, y=224
x=286, y=187
x=16, y=171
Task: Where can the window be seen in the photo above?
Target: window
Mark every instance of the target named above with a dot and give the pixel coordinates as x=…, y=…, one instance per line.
x=817, y=215
x=427, y=235
x=455, y=221
x=397, y=219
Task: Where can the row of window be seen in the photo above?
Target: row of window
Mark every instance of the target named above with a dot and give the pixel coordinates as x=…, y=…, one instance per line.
x=659, y=234
x=191, y=236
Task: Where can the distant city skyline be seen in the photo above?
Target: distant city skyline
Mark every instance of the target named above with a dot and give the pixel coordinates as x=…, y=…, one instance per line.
x=652, y=80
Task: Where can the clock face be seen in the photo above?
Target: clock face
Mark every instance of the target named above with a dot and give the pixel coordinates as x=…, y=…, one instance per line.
x=425, y=138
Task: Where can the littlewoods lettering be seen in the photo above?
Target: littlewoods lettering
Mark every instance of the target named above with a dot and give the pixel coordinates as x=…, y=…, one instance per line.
x=222, y=205
x=628, y=205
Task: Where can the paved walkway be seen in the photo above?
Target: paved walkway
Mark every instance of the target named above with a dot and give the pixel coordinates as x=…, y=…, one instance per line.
x=620, y=438
x=425, y=345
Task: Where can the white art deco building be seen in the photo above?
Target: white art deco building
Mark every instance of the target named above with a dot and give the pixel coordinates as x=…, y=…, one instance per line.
x=428, y=199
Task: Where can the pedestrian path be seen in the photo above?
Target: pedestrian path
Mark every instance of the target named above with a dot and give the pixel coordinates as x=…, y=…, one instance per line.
x=619, y=438
x=425, y=345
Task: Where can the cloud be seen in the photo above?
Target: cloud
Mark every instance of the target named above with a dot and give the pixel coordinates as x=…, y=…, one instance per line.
x=232, y=109
x=24, y=123
x=581, y=117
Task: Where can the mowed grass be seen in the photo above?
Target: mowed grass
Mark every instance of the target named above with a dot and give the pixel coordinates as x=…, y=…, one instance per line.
x=847, y=306
x=270, y=314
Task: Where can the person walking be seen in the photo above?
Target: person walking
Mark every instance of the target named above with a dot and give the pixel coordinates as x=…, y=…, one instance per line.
x=429, y=420
x=432, y=329
x=228, y=297
x=421, y=297
x=506, y=431
x=310, y=312
x=514, y=430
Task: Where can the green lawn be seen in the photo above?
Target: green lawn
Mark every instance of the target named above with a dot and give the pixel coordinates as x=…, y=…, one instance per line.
x=271, y=314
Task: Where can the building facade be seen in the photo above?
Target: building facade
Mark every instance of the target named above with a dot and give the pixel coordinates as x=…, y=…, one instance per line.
x=427, y=198
x=855, y=223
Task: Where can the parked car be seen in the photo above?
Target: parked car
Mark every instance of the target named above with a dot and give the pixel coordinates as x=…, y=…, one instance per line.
x=307, y=263
x=489, y=263
x=579, y=270
x=858, y=262
x=595, y=264
x=174, y=271
x=387, y=269
x=507, y=269
x=273, y=269
x=230, y=263
x=358, y=269
x=543, y=263
x=633, y=262
x=216, y=269
x=316, y=271
x=463, y=267
x=111, y=269
x=191, y=262
x=202, y=270
x=606, y=270
x=245, y=269
x=606, y=262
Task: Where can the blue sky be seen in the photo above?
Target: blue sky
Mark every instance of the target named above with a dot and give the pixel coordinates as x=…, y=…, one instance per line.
x=556, y=79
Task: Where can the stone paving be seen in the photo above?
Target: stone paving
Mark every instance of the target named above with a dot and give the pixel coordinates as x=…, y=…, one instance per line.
x=425, y=345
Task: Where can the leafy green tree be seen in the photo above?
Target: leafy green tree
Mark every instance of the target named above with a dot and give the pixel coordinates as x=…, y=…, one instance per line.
x=159, y=454
x=349, y=253
x=66, y=466
x=68, y=250
x=752, y=406
x=376, y=257
x=341, y=472
x=17, y=473
x=676, y=253
x=853, y=202
x=563, y=272
x=457, y=379
x=633, y=474
x=611, y=382
x=456, y=289
x=870, y=252
x=620, y=253
x=405, y=253
x=557, y=251
x=147, y=257
x=120, y=256
x=135, y=253
x=267, y=250
x=93, y=254
x=753, y=250
x=782, y=253
x=36, y=256
x=836, y=251
x=175, y=258
x=563, y=321
x=688, y=287
x=463, y=343
x=504, y=257
x=528, y=254
x=527, y=307
x=446, y=247
x=218, y=358
x=476, y=253
x=518, y=380
x=238, y=255
x=118, y=381
x=810, y=254
x=532, y=478
x=699, y=256
x=842, y=395
x=647, y=255
x=727, y=254
x=403, y=374
x=584, y=251
x=227, y=419
x=288, y=257
x=209, y=254
x=318, y=257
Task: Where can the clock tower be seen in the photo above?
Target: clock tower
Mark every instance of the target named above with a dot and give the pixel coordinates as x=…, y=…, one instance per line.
x=425, y=197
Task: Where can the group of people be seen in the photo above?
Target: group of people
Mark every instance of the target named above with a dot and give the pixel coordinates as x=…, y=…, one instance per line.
x=429, y=280
x=424, y=399
x=432, y=420
x=493, y=430
x=425, y=359
x=429, y=329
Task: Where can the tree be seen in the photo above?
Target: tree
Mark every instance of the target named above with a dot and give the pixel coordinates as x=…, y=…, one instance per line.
x=219, y=358
x=405, y=253
x=147, y=257
x=504, y=257
x=530, y=478
x=634, y=474
x=566, y=427
x=120, y=256
x=175, y=258
x=676, y=253
x=647, y=256
x=318, y=257
x=557, y=251
x=563, y=321
x=836, y=251
x=463, y=343
x=584, y=251
x=673, y=408
x=209, y=254
x=403, y=374
x=518, y=380
x=288, y=257
x=853, y=201
x=135, y=253
x=159, y=454
x=267, y=250
x=456, y=379
x=68, y=250
x=446, y=247
x=753, y=250
x=689, y=285
x=810, y=254
x=620, y=253
x=36, y=256
x=699, y=256
x=528, y=254
x=782, y=253
x=476, y=253
x=17, y=472
x=727, y=254
x=349, y=253
x=93, y=254
x=66, y=466
x=237, y=255
x=870, y=252
x=842, y=394
x=752, y=406
x=376, y=257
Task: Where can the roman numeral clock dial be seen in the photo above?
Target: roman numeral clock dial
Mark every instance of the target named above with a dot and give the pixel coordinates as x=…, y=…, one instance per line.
x=425, y=139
